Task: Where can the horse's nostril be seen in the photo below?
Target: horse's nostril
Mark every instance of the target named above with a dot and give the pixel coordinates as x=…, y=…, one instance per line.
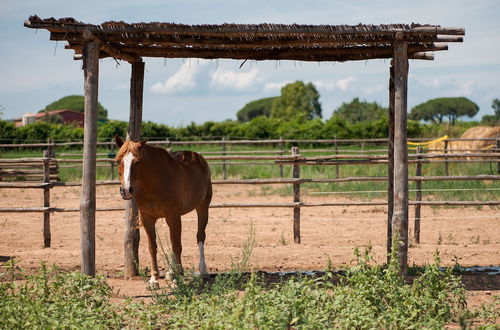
x=122, y=191
x=131, y=190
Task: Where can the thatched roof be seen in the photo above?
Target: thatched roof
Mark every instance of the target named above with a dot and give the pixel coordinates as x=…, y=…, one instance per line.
x=131, y=42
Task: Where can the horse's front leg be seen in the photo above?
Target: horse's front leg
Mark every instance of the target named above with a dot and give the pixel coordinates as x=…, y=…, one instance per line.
x=149, y=227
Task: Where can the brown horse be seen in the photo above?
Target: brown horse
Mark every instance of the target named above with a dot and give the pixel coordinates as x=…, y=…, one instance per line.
x=165, y=185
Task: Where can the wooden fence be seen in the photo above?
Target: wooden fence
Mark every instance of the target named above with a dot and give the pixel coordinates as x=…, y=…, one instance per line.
x=295, y=160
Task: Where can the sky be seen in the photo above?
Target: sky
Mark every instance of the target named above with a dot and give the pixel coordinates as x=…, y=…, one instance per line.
x=35, y=71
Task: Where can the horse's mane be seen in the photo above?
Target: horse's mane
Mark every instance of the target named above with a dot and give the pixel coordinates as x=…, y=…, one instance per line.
x=131, y=146
x=134, y=148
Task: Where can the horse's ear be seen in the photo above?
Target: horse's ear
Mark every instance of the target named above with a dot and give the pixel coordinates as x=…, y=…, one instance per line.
x=118, y=141
x=143, y=143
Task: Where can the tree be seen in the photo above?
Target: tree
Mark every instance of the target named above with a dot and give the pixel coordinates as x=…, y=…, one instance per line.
x=75, y=103
x=495, y=104
x=297, y=99
x=495, y=118
x=358, y=111
x=260, y=107
x=436, y=110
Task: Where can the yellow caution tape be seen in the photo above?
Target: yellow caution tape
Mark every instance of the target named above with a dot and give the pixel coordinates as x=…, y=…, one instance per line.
x=429, y=142
x=491, y=146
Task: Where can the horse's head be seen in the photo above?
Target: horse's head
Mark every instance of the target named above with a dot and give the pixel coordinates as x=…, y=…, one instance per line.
x=128, y=158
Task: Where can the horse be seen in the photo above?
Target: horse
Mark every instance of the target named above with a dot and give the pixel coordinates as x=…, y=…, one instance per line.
x=165, y=185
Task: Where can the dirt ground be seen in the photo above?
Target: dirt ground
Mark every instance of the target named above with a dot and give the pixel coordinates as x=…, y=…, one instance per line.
x=469, y=236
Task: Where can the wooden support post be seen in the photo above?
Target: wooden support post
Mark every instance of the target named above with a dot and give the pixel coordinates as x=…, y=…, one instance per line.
x=87, y=200
x=132, y=235
x=400, y=210
x=418, y=198
x=224, y=168
x=296, y=199
x=46, y=199
x=390, y=163
x=282, y=152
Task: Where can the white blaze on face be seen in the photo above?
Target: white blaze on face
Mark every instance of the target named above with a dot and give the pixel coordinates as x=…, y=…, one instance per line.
x=202, y=266
x=127, y=164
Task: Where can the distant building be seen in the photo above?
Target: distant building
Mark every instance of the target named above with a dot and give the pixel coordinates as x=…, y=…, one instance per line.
x=69, y=117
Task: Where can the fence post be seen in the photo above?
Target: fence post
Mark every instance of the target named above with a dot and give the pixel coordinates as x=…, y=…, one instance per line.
x=51, y=152
x=446, y=172
x=296, y=199
x=282, y=152
x=418, y=198
x=498, y=150
x=224, y=169
x=46, y=199
x=112, y=154
x=337, y=153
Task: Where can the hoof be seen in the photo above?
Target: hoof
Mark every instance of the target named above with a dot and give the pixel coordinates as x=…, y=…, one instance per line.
x=153, y=285
x=205, y=275
x=172, y=284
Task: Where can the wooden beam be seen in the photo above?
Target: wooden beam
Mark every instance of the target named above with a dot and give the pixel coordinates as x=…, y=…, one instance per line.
x=422, y=56
x=88, y=198
x=400, y=194
x=113, y=52
x=314, y=41
x=132, y=235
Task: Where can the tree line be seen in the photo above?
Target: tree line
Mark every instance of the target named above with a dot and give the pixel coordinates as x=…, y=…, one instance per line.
x=295, y=114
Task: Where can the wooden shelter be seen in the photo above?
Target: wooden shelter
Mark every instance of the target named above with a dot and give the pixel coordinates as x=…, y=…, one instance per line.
x=132, y=42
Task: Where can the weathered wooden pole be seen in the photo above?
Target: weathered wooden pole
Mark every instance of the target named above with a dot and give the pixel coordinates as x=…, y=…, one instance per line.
x=498, y=150
x=132, y=235
x=87, y=200
x=418, y=198
x=337, y=173
x=445, y=151
x=400, y=195
x=224, y=168
x=46, y=199
x=296, y=199
x=390, y=163
x=282, y=152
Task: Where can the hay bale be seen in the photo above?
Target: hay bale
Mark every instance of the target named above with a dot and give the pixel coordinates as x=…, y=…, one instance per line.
x=478, y=132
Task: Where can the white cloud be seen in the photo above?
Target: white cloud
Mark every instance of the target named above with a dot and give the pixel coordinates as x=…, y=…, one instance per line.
x=122, y=87
x=276, y=85
x=228, y=79
x=342, y=84
x=464, y=88
x=375, y=89
x=183, y=80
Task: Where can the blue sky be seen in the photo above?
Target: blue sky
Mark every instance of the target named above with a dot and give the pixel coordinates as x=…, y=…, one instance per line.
x=36, y=71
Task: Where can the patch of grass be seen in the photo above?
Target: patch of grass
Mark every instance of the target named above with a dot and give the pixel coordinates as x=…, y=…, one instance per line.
x=364, y=297
x=55, y=299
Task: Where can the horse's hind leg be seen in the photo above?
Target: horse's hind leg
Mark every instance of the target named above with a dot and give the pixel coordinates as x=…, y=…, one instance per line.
x=149, y=227
x=175, y=226
x=202, y=212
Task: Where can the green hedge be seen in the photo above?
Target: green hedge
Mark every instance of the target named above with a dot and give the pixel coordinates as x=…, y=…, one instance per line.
x=258, y=128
